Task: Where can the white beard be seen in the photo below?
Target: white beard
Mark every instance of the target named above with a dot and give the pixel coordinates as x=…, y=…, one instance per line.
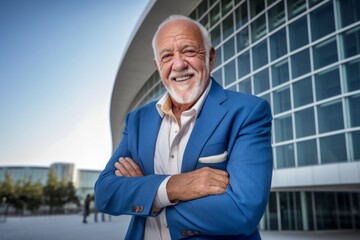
x=189, y=97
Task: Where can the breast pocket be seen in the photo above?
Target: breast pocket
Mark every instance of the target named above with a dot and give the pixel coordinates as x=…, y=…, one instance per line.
x=213, y=156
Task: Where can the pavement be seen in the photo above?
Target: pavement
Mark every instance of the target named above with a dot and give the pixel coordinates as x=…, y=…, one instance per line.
x=70, y=227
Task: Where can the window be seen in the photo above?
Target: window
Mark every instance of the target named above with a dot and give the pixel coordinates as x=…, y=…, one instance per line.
x=295, y=7
x=261, y=81
x=217, y=75
x=300, y=63
x=203, y=6
x=218, y=57
x=354, y=109
x=285, y=156
x=278, y=44
x=226, y=6
x=230, y=72
x=351, y=41
x=215, y=15
x=260, y=56
x=245, y=86
x=205, y=22
x=355, y=137
x=305, y=122
x=229, y=49
x=282, y=100
x=353, y=75
x=307, y=153
x=303, y=92
x=330, y=116
x=215, y=36
x=280, y=73
x=314, y=2
x=298, y=32
x=241, y=14
x=256, y=6
x=276, y=16
x=283, y=129
x=242, y=39
x=327, y=84
x=325, y=205
x=322, y=21
x=325, y=53
x=258, y=28
x=349, y=11
x=243, y=64
x=228, y=26
x=333, y=149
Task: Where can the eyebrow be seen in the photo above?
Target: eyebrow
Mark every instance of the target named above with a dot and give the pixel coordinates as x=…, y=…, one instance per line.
x=165, y=50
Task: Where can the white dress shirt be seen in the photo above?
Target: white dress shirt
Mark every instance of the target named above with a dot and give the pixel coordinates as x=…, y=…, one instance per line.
x=170, y=146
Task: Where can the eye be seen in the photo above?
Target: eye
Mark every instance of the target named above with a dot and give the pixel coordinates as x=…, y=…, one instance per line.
x=166, y=57
x=189, y=52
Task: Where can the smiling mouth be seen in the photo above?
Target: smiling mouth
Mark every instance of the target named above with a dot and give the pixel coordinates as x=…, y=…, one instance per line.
x=181, y=79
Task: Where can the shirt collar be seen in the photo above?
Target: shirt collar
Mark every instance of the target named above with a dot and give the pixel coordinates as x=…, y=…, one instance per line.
x=164, y=105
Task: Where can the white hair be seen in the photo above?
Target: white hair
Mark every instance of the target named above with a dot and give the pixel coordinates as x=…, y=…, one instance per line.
x=205, y=34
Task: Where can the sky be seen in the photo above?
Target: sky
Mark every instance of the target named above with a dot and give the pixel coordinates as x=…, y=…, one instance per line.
x=58, y=63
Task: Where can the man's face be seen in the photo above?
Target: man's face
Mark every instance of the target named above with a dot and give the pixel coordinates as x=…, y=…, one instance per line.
x=182, y=61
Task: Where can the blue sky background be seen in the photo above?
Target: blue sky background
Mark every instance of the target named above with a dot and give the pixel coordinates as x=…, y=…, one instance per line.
x=58, y=62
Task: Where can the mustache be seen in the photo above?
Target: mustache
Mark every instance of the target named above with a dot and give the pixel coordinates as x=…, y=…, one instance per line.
x=175, y=74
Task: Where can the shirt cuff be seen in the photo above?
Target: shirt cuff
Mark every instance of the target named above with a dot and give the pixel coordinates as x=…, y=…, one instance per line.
x=161, y=198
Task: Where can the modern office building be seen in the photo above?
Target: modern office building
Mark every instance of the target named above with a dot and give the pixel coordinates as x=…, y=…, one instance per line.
x=85, y=182
x=63, y=171
x=24, y=174
x=303, y=57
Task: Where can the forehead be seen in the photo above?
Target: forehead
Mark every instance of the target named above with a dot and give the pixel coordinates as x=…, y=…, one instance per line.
x=179, y=30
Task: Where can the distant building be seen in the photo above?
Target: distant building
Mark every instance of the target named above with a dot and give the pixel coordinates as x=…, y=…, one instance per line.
x=21, y=174
x=64, y=171
x=85, y=182
x=303, y=57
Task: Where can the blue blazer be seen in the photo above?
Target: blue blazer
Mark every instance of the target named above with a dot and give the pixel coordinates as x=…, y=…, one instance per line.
x=229, y=121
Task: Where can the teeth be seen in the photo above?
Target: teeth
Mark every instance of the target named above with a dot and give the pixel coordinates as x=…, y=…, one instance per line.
x=182, y=78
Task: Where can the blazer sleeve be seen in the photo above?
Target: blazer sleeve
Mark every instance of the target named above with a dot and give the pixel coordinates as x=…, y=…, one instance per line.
x=125, y=195
x=239, y=210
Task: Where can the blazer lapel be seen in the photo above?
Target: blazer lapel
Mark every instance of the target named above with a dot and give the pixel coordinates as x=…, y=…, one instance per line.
x=150, y=121
x=208, y=119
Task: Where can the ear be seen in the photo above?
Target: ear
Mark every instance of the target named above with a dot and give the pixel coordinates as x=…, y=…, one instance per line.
x=212, y=59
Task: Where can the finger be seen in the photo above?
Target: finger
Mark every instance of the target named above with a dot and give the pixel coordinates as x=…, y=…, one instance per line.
x=219, y=172
x=119, y=166
x=135, y=166
x=118, y=173
x=125, y=163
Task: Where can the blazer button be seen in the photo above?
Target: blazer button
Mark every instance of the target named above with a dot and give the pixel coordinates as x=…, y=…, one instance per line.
x=133, y=208
x=140, y=208
x=184, y=233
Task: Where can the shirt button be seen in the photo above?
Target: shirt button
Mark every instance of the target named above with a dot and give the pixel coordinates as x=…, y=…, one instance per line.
x=172, y=156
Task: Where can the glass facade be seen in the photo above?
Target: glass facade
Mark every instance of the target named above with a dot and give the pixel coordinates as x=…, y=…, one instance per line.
x=303, y=57
x=304, y=211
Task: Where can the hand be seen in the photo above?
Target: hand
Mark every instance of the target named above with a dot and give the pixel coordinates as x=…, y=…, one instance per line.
x=196, y=184
x=128, y=168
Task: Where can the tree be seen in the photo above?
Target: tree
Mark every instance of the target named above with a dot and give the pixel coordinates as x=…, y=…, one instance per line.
x=50, y=191
x=30, y=194
x=7, y=192
x=71, y=194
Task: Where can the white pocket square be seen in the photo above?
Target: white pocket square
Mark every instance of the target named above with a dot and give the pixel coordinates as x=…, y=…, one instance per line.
x=214, y=158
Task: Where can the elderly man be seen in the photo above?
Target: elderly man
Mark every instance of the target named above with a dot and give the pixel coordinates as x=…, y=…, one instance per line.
x=198, y=162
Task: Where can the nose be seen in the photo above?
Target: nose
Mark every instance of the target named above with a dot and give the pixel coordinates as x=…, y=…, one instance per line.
x=179, y=63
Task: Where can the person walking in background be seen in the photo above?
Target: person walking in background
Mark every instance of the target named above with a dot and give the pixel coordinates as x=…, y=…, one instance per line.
x=86, y=211
x=197, y=162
